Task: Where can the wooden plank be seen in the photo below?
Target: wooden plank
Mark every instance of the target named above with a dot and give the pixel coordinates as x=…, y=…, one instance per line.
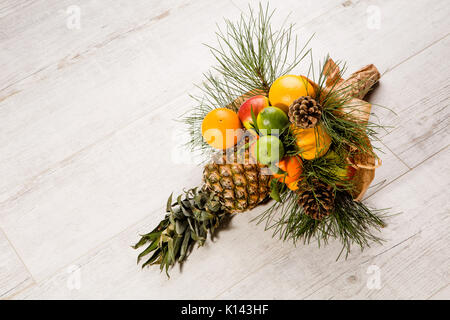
x=421, y=126
x=391, y=168
x=49, y=45
x=442, y=294
x=36, y=39
x=414, y=261
x=95, y=194
x=418, y=266
x=111, y=271
x=414, y=269
x=13, y=274
x=352, y=33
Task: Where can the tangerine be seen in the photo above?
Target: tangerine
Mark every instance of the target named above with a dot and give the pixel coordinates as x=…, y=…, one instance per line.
x=221, y=128
x=293, y=168
x=288, y=88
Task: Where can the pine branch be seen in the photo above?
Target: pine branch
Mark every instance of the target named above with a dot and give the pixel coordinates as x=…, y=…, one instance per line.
x=344, y=129
x=249, y=55
x=351, y=223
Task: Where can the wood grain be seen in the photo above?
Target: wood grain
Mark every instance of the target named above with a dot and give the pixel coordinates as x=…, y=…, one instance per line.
x=13, y=274
x=271, y=266
x=90, y=151
x=421, y=126
x=97, y=80
x=57, y=147
x=404, y=259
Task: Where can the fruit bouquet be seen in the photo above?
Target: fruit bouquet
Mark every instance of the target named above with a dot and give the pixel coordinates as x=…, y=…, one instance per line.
x=269, y=134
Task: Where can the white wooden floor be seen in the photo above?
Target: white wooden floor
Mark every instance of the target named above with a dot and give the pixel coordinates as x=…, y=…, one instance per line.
x=88, y=150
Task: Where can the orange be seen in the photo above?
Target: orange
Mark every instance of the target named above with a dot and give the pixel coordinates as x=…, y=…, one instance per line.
x=293, y=168
x=221, y=128
x=288, y=88
x=313, y=142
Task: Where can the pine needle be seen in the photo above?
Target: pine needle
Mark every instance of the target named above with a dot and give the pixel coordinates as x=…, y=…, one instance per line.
x=352, y=223
x=250, y=55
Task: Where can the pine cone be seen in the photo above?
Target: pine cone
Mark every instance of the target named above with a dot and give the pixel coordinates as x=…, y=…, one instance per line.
x=305, y=112
x=317, y=201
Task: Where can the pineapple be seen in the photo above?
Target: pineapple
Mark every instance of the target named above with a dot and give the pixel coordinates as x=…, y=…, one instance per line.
x=230, y=186
x=240, y=186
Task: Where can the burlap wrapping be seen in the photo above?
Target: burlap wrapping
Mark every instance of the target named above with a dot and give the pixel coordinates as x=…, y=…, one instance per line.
x=365, y=166
x=354, y=89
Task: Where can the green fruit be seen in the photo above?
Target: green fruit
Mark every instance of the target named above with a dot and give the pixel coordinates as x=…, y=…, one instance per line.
x=269, y=149
x=341, y=168
x=271, y=120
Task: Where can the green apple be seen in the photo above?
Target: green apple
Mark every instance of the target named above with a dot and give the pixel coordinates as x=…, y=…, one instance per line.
x=271, y=120
x=269, y=149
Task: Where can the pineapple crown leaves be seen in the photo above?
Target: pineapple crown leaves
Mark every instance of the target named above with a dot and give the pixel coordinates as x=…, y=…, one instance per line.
x=189, y=219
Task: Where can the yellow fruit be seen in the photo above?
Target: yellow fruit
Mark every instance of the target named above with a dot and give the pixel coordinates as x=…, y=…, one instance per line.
x=293, y=185
x=288, y=88
x=221, y=128
x=313, y=142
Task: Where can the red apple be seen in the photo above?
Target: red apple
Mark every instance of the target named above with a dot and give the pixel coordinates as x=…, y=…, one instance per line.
x=257, y=103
